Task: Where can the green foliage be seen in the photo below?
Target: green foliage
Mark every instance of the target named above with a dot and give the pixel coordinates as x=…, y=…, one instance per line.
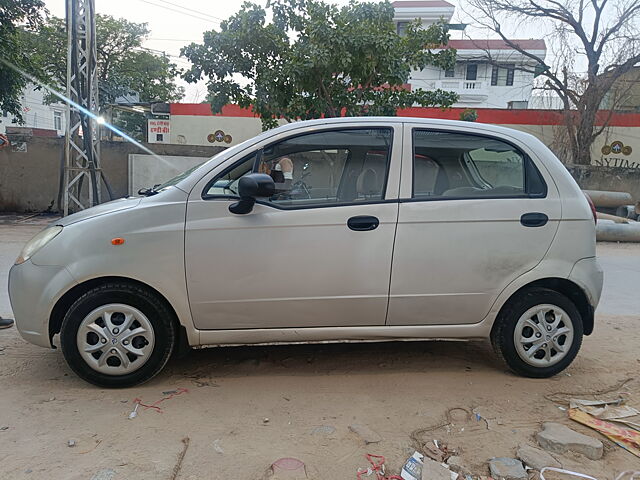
x=469, y=115
x=123, y=66
x=314, y=59
x=15, y=16
x=133, y=123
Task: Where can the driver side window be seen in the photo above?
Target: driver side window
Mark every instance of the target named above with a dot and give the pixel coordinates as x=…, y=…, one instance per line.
x=331, y=167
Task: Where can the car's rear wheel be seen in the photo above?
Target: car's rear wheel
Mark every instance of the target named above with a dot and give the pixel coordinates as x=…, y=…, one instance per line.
x=538, y=333
x=118, y=335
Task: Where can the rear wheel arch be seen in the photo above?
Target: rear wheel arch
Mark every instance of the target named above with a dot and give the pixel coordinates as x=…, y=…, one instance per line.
x=64, y=303
x=567, y=288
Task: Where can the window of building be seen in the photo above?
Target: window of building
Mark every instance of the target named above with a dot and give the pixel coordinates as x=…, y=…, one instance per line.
x=450, y=73
x=459, y=165
x=472, y=71
x=402, y=28
x=502, y=75
x=5, y=114
x=57, y=120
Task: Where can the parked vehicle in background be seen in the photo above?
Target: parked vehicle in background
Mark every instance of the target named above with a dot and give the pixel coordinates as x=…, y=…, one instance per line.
x=386, y=229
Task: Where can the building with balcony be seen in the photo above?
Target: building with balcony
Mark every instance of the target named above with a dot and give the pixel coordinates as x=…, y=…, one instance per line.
x=488, y=73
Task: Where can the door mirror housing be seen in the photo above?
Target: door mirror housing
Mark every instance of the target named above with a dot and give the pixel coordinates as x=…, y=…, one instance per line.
x=250, y=187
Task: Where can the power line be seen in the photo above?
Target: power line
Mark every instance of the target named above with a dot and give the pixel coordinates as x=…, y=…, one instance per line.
x=165, y=54
x=191, y=10
x=174, y=39
x=180, y=11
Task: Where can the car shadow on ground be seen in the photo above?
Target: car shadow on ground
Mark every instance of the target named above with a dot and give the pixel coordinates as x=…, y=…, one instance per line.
x=335, y=359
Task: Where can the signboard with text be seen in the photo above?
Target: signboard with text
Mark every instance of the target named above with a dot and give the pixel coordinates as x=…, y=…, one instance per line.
x=158, y=131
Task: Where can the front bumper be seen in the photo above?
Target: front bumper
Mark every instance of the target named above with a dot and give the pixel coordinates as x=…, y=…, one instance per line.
x=33, y=291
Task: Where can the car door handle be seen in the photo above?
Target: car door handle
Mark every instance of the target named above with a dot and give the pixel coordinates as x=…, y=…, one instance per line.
x=534, y=219
x=363, y=223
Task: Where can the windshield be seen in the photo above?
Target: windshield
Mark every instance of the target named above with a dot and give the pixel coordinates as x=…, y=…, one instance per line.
x=213, y=160
x=179, y=177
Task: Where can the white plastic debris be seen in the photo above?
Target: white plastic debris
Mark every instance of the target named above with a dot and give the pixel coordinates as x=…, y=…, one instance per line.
x=412, y=469
x=134, y=412
x=217, y=447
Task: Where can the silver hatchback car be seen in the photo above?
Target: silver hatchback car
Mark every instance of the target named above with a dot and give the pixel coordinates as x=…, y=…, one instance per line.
x=351, y=229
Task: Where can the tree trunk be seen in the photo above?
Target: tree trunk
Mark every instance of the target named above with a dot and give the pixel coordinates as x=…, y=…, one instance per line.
x=586, y=112
x=584, y=138
x=583, y=152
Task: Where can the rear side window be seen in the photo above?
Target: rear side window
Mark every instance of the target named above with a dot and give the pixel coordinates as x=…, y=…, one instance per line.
x=457, y=165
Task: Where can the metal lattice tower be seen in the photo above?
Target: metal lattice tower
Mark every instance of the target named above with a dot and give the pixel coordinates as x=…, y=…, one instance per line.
x=82, y=138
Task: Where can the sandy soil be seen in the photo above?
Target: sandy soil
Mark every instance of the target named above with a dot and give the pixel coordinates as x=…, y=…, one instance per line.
x=394, y=388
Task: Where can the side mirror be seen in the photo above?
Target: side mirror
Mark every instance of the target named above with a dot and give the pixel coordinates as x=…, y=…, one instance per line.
x=250, y=187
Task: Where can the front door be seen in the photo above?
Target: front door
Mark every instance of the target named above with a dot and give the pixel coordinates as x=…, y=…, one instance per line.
x=475, y=214
x=318, y=253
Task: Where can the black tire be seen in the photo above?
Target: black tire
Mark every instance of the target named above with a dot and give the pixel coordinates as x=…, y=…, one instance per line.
x=502, y=334
x=149, y=303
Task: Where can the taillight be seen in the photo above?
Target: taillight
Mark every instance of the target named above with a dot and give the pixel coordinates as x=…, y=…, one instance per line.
x=593, y=208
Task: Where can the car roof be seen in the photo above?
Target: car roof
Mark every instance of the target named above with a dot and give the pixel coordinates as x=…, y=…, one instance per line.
x=484, y=127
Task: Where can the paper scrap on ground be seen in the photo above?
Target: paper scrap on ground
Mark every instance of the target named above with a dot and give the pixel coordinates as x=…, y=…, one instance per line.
x=412, y=469
x=627, y=439
x=604, y=410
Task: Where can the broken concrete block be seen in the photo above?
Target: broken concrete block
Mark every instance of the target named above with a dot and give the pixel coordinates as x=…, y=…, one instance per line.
x=364, y=432
x=104, y=474
x=432, y=470
x=536, y=458
x=560, y=439
x=507, y=468
x=457, y=465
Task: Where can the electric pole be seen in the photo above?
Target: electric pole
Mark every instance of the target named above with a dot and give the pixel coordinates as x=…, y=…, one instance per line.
x=82, y=130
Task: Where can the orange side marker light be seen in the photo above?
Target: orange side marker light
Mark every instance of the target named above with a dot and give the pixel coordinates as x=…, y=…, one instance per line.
x=117, y=241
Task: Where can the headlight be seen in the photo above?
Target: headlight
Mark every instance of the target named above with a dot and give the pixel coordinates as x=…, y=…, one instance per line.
x=37, y=242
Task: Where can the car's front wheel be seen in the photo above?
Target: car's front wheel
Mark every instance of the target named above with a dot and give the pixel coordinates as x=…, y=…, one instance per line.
x=118, y=335
x=538, y=333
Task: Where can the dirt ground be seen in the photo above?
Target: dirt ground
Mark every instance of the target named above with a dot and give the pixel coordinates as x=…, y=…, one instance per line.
x=393, y=388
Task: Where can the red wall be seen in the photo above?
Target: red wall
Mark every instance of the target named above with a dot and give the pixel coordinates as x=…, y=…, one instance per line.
x=485, y=115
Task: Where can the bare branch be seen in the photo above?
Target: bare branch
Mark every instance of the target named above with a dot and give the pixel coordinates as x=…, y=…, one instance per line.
x=596, y=22
x=624, y=18
x=570, y=20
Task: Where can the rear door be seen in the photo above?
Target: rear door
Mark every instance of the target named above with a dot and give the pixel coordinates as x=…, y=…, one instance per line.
x=475, y=213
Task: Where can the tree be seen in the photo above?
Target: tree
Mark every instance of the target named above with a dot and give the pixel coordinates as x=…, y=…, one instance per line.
x=124, y=67
x=601, y=34
x=14, y=16
x=314, y=59
x=469, y=115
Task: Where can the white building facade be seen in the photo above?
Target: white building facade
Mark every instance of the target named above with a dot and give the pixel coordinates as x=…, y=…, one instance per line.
x=487, y=74
x=36, y=114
